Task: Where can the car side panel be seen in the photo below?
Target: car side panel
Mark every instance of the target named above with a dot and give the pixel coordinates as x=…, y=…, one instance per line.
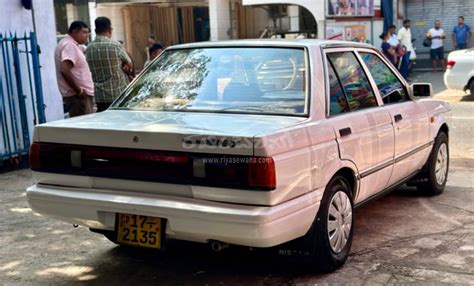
x=436, y=110
x=411, y=134
x=370, y=146
x=302, y=155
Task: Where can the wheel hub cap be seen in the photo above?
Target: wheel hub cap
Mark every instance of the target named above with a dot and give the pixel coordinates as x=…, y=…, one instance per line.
x=441, y=167
x=339, y=221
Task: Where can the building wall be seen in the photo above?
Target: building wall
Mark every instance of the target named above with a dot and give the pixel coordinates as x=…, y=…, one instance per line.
x=315, y=7
x=14, y=18
x=219, y=19
x=114, y=13
x=423, y=13
x=261, y=20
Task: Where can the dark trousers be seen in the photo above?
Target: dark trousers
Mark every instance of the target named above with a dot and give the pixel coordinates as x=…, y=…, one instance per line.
x=78, y=105
x=101, y=106
x=404, y=65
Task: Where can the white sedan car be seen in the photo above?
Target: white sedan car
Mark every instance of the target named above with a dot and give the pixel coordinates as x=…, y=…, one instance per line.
x=460, y=70
x=254, y=143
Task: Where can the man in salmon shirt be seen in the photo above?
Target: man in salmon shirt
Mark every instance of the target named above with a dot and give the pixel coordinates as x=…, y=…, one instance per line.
x=72, y=71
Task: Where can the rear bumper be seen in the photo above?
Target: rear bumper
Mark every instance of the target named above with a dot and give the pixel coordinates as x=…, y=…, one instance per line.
x=187, y=218
x=455, y=80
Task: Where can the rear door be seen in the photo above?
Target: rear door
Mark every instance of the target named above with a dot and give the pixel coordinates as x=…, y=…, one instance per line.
x=410, y=119
x=363, y=130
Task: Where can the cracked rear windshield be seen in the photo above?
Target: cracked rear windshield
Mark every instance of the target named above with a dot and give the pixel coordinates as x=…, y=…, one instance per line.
x=233, y=80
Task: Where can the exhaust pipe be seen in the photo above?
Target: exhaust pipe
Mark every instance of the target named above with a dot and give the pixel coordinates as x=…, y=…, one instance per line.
x=217, y=246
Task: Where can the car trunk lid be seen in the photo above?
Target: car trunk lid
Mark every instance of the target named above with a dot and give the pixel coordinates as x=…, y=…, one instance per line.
x=171, y=131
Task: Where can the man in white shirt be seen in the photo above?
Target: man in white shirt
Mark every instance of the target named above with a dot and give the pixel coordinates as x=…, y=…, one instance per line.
x=436, y=35
x=393, y=40
x=404, y=36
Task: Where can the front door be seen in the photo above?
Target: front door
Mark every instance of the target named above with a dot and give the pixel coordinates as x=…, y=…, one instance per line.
x=410, y=120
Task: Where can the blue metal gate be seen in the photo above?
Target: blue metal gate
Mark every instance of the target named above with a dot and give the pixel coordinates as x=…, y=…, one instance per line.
x=21, y=95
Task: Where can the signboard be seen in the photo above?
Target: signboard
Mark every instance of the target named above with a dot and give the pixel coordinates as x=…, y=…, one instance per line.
x=349, y=31
x=351, y=8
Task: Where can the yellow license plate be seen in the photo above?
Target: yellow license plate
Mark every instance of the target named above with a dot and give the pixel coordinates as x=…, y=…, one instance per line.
x=139, y=230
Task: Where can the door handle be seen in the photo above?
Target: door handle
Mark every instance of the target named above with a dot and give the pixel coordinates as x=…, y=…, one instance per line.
x=345, y=131
x=398, y=117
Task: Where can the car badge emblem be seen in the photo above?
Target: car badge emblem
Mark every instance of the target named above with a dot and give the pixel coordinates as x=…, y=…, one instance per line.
x=135, y=139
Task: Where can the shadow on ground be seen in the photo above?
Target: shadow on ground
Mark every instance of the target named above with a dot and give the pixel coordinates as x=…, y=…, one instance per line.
x=468, y=97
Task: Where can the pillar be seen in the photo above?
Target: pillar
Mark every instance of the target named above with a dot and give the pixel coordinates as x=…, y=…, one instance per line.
x=219, y=19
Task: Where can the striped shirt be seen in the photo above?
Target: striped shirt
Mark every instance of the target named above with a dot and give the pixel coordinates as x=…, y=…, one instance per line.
x=105, y=58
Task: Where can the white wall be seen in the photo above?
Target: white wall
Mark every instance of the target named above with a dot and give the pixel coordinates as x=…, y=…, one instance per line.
x=13, y=17
x=294, y=13
x=114, y=13
x=219, y=19
x=316, y=7
x=261, y=20
x=377, y=31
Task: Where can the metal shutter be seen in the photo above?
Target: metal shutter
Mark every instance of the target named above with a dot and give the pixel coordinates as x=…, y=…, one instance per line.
x=447, y=11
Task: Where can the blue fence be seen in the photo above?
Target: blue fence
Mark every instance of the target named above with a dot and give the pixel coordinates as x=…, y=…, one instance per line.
x=21, y=95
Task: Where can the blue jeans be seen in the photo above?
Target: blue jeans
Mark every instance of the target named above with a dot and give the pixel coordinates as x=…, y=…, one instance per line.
x=461, y=46
x=404, y=66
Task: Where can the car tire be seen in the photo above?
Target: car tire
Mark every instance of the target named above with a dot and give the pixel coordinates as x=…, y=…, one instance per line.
x=334, y=226
x=436, y=169
x=471, y=87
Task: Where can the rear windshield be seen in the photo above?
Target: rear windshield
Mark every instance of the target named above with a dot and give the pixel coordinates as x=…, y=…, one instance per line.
x=233, y=80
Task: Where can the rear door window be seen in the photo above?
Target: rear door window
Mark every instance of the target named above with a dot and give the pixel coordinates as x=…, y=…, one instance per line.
x=356, y=86
x=337, y=97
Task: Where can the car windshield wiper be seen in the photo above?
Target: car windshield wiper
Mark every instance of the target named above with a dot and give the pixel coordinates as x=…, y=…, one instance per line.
x=119, y=108
x=244, y=107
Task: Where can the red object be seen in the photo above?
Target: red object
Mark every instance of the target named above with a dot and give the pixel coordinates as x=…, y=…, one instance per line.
x=35, y=159
x=262, y=172
x=139, y=155
x=450, y=64
x=247, y=172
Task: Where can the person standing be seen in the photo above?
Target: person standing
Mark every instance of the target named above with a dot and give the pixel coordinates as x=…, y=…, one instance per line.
x=387, y=49
x=461, y=35
x=404, y=36
x=393, y=40
x=155, y=50
x=107, y=59
x=72, y=71
x=151, y=42
x=436, y=35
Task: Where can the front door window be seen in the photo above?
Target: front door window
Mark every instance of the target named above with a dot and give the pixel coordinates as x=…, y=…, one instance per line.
x=390, y=87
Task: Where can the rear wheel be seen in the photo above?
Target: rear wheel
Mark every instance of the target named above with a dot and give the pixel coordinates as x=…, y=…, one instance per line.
x=334, y=226
x=436, y=169
x=471, y=87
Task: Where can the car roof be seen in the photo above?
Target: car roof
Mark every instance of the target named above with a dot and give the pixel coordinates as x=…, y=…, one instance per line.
x=272, y=43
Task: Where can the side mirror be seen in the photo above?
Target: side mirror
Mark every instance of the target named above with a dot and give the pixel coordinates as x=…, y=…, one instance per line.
x=422, y=90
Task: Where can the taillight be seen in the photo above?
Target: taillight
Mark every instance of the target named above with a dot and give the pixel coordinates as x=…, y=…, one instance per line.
x=255, y=173
x=35, y=158
x=239, y=172
x=450, y=64
x=262, y=173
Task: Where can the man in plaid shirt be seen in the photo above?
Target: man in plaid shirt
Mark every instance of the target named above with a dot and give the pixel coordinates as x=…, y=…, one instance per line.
x=107, y=59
